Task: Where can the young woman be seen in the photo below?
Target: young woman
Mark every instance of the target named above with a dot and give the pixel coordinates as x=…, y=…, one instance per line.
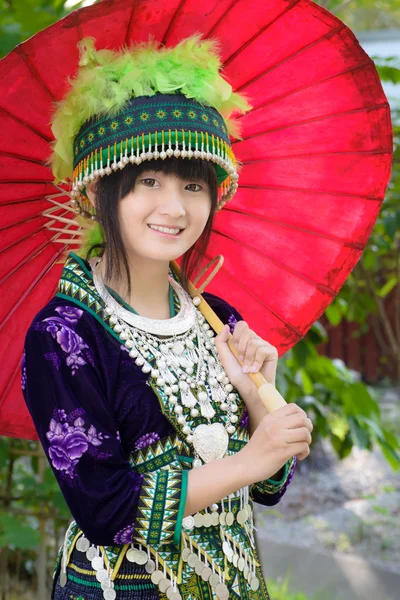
x=154, y=430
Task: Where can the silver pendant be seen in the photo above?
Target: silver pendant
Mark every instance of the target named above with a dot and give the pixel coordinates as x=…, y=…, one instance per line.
x=210, y=441
x=150, y=566
x=199, y=567
x=229, y=520
x=91, y=553
x=83, y=544
x=222, y=591
x=97, y=563
x=131, y=555
x=207, y=520
x=164, y=584
x=157, y=576
x=192, y=560
x=214, y=580
x=63, y=579
x=215, y=519
x=110, y=594
x=101, y=575
x=140, y=557
x=254, y=584
x=241, y=564
x=206, y=573
x=198, y=520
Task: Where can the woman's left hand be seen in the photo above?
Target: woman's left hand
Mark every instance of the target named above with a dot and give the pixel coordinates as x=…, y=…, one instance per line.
x=255, y=354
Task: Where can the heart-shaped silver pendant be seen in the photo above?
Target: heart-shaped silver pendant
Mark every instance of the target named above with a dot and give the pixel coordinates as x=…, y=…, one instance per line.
x=210, y=441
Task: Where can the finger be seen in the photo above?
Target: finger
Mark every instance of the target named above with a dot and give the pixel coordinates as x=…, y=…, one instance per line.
x=289, y=409
x=264, y=352
x=255, y=345
x=240, y=336
x=300, y=434
x=301, y=450
x=298, y=420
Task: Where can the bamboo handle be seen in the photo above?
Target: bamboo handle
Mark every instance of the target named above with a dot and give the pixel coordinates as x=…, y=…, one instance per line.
x=268, y=393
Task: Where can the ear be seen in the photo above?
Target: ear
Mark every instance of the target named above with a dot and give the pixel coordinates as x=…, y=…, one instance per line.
x=91, y=193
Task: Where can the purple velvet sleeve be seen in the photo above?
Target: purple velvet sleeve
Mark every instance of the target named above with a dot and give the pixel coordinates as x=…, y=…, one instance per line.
x=67, y=393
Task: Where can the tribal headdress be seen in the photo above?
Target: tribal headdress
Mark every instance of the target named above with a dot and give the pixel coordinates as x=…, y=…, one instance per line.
x=142, y=103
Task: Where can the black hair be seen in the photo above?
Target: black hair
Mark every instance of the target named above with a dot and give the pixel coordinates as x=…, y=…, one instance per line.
x=110, y=189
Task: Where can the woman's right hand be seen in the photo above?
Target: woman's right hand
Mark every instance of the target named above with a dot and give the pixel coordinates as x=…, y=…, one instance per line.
x=280, y=435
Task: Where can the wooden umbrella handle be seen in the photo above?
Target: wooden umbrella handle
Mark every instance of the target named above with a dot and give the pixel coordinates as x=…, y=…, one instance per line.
x=268, y=393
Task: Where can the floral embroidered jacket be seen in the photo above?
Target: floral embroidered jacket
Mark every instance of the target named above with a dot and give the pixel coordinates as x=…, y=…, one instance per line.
x=117, y=454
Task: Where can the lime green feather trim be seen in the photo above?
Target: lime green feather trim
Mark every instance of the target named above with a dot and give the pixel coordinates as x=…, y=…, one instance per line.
x=107, y=79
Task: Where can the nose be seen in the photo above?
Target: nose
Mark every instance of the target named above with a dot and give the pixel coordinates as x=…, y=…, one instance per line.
x=172, y=204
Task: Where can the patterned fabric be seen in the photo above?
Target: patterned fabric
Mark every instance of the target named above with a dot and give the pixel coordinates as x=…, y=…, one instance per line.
x=114, y=447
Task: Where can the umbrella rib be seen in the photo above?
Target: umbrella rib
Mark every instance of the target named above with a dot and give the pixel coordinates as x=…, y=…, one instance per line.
x=328, y=34
x=322, y=288
x=256, y=35
x=309, y=191
x=250, y=293
x=33, y=71
x=222, y=17
x=35, y=282
x=21, y=122
x=34, y=161
x=355, y=245
x=353, y=111
x=173, y=21
x=314, y=154
x=304, y=87
x=129, y=28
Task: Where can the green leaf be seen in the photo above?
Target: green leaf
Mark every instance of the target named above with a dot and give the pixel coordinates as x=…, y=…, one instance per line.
x=333, y=313
x=388, y=287
x=14, y=533
x=307, y=385
x=358, y=401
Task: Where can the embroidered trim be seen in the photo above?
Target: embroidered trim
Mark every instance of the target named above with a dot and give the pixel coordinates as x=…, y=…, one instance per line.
x=270, y=486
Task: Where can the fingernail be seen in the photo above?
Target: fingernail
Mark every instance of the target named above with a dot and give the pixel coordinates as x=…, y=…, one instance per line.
x=254, y=369
x=245, y=369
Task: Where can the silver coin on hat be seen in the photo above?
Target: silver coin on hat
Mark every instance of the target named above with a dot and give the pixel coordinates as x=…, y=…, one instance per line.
x=206, y=573
x=214, y=580
x=170, y=591
x=222, y=518
x=156, y=577
x=235, y=559
x=97, y=563
x=91, y=553
x=150, y=566
x=241, y=563
x=241, y=517
x=131, y=555
x=176, y=596
x=110, y=594
x=63, y=579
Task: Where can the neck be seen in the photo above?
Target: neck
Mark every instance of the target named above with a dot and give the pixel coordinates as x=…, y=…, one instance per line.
x=149, y=295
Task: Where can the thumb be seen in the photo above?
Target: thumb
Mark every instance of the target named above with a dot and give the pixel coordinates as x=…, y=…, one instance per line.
x=223, y=336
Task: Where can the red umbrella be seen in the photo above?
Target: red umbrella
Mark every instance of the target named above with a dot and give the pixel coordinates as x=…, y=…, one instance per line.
x=316, y=151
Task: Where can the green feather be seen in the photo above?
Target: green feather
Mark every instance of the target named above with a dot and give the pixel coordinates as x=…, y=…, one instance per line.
x=107, y=79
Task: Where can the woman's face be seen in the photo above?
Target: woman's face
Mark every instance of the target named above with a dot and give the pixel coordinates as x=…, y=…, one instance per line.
x=180, y=208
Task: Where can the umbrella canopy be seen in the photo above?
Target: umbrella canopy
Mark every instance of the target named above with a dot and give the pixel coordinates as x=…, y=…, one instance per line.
x=316, y=154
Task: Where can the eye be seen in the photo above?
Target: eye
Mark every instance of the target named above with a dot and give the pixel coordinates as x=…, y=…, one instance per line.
x=194, y=184
x=148, y=181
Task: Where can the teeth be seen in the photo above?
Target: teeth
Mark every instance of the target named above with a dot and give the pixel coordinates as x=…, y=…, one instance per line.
x=165, y=229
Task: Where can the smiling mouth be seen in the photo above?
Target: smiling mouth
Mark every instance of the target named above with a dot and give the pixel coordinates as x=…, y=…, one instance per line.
x=169, y=231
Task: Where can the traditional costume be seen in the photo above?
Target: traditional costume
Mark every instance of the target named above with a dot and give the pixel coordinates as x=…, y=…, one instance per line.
x=125, y=405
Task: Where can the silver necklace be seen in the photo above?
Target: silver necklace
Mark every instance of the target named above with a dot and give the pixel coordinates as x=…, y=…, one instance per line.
x=183, y=364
